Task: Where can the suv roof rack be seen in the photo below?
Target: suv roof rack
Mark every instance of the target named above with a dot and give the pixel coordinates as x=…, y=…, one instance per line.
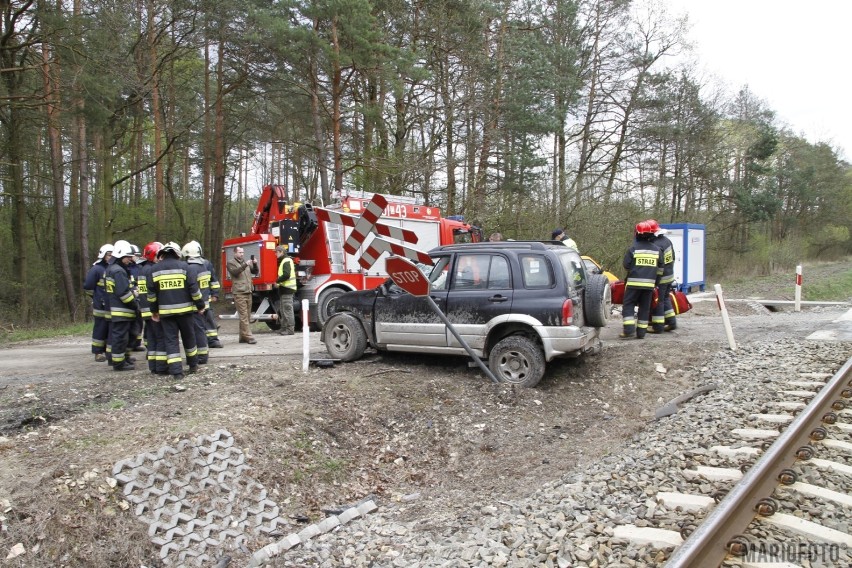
x=528, y=245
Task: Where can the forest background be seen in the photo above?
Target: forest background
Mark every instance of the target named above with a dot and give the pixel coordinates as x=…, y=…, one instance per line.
x=160, y=120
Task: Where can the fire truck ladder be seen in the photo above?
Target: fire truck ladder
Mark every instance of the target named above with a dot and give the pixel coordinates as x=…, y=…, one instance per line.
x=335, y=246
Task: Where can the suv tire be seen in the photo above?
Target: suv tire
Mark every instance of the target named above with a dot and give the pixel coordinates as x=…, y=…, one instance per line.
x=344, y=337
x=517, y=360
x=597, y=301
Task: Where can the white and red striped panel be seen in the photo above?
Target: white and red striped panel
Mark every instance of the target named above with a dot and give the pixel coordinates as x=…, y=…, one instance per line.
x=379, y=246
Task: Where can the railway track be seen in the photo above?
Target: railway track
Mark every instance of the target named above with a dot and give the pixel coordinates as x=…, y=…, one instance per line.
x=787, y=470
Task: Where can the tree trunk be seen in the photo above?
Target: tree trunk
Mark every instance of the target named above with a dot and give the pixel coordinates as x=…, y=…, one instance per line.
x=159, y=190
x=218, y=201
x=49, y=72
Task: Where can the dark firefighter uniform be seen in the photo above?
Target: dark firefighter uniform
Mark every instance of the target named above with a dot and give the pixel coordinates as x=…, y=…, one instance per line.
x=197, y=268
x=174, y=297
x=94, y=287
x=153, y=331
x=644, y=264
x=663, y=314
x=135, y=328
x=209, y=314
x=122, y=308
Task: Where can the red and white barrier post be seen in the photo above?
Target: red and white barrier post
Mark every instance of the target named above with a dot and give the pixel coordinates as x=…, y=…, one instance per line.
x=798, y=303
x=725, y=319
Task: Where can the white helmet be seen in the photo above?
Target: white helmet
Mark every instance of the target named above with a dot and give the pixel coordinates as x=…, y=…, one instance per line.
x=192, y=249
x=105, y=250
x=122, y=250
x=170, y=246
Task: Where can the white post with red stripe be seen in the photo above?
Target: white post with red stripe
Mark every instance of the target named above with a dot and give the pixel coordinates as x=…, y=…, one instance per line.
x=798, y=297
x=306, y=336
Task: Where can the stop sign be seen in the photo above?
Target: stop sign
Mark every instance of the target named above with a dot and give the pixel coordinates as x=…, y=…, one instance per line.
x=407, y=276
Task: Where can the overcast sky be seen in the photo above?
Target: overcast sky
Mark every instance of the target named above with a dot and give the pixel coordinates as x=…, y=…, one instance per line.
x=792, y=54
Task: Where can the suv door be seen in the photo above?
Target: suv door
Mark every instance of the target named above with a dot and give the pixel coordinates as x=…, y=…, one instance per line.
x=403, y=319
x=481, y=290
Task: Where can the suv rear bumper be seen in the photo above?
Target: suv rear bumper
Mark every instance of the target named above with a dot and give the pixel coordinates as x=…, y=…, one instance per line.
x=566, y=341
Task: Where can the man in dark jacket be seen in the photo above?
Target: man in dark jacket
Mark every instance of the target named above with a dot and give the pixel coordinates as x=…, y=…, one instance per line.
x=644, y=264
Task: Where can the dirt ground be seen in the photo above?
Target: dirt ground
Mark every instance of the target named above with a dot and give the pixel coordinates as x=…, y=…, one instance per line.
x=425, y=433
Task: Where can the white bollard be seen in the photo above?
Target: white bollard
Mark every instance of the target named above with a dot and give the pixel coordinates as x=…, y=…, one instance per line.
x=798, y=296
x=725, y=319
x=306, y=337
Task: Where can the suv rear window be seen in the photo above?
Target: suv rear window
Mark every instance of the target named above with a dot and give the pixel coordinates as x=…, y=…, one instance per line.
x=536, y=271
x=575, y=272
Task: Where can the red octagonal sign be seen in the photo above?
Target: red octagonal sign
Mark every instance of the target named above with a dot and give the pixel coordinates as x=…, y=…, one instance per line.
x=407, y=276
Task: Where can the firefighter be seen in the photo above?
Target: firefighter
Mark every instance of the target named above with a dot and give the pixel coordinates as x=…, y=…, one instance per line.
x=136, y=338
x=197, y=266
x=644, y=264
x=122, y=306
x=174, y=297
x=559, y=235
x=663, y=313
x=153, y=331
x=93, y=286
x=286, y=286
x=209, y=314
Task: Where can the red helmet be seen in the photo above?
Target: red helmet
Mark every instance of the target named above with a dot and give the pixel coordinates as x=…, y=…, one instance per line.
x=643, y=227
x=655, y=227
x=151, y=250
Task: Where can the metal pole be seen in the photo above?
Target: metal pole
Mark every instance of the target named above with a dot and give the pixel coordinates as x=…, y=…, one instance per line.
x=464, y=344
x=725, y=319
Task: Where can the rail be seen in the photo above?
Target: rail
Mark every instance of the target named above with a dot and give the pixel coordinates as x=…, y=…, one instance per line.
x=720, y=533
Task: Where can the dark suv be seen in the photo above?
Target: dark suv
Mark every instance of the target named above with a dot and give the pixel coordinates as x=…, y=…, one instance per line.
x=516, y=303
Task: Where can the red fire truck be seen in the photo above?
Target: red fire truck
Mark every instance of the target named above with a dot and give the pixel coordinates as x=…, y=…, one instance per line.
x=324, y=269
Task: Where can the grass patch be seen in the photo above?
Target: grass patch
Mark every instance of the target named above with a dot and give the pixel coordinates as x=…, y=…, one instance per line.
x=11, y=334
x=836, y=289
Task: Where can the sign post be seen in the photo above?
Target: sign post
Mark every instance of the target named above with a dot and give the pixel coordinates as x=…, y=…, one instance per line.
x=407, y=276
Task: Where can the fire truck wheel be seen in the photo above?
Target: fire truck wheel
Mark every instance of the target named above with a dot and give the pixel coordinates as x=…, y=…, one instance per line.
x=323, y=306
x=517, y=360
x=597, y=300
x=344, y=337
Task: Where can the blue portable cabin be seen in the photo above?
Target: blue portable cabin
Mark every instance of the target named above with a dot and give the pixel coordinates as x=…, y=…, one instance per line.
x=690, y=246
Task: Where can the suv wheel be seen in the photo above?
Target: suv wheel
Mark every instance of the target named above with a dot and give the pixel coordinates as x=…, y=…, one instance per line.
x=597, y=301
x=517, y=360
x=344, y=337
